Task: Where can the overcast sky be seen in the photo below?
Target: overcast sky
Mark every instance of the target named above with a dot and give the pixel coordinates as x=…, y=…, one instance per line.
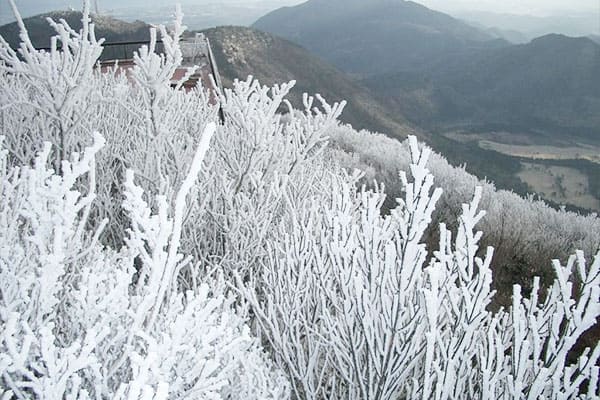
x=533, y=7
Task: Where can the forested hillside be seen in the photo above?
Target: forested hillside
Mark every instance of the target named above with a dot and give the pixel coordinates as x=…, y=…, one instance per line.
x=549, y=85
x=149, y=251
x=443, y=74
x=241, y=52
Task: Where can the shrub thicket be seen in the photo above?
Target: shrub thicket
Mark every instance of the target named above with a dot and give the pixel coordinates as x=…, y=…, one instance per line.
x=147, y=253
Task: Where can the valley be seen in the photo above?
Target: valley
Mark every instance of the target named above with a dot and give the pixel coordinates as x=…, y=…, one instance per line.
x=525, y=116
x=559, y=184
x=563, y=172
x=544, y=152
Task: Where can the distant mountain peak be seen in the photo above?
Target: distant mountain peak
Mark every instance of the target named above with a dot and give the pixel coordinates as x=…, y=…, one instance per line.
x=398, y=34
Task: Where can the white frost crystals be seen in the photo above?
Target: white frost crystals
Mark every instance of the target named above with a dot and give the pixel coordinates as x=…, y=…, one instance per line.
x=77, y=318
x=171, y=258
x=354, y=306
x=72, y=324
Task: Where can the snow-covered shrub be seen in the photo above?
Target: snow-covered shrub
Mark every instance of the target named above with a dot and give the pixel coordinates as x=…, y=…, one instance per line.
x=526, y=233
x=354, y=305
x=42, y=243
x=55, y=84
x=80, y=320
x=264, y=162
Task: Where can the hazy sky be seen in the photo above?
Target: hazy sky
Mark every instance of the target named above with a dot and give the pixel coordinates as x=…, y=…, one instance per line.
x=533, y=7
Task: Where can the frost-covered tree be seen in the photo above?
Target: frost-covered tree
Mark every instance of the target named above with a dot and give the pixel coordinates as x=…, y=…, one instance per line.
x=54, y=84
x=80, y=320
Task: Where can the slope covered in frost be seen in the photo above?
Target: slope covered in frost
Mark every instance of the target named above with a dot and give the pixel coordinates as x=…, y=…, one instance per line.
x=147, y=252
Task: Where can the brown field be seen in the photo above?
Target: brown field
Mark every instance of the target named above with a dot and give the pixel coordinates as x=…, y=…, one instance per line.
x=560, y=184
x=497, y=137
x=541, y=152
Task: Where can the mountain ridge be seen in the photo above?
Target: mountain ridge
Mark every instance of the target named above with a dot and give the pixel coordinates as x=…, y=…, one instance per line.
x=241, y=51
x=444, y=74
x=550, y=83
x=383, y=32
x=40, y=31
